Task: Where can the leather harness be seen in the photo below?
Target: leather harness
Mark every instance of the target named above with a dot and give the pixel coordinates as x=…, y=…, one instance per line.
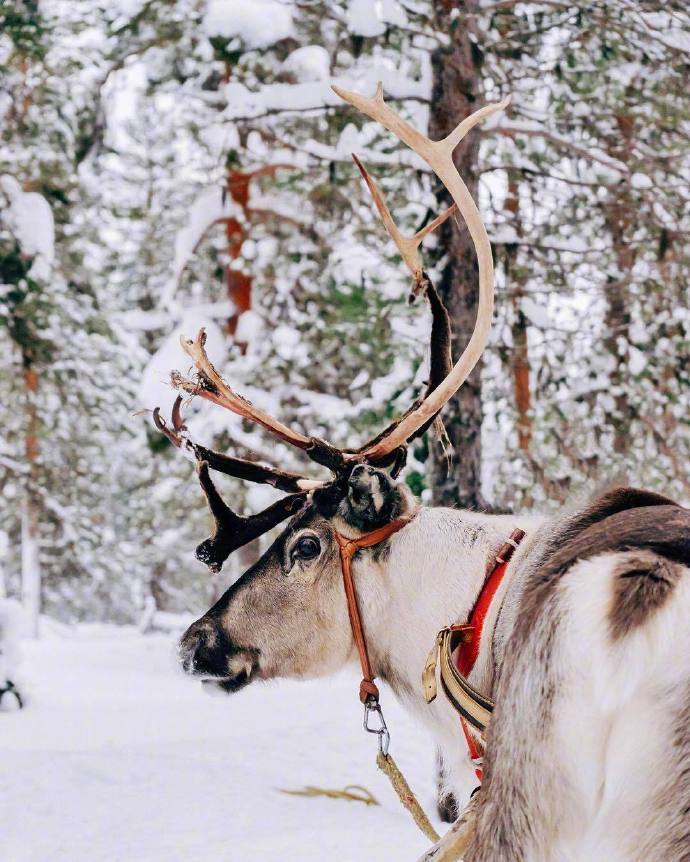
x=608, y=524
x=474, y=708
x=368, y=690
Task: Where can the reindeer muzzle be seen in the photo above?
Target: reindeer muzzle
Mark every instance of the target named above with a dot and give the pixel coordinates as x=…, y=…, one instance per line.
x=207, y=653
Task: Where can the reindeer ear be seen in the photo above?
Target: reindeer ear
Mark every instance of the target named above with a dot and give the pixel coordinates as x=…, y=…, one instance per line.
x=372, y=498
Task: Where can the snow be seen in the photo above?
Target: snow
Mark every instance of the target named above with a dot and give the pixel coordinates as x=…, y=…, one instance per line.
x=360, y=379
x=118, y=757
x=362, y=19
x=257, y=23
x=317, y=94
x=30, y=566
x=349, y=141
x=209, y=207
x=393, y=12
x=640, y=181
x=5, y=102
x=30, y=218
x=249, y=326
x=637, y=361
x=504, y=235
x=535, y=312
x=122, y=97
x=11, y=622
x=310, y=63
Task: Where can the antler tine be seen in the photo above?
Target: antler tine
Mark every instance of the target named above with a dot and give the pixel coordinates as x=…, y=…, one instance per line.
x=440, y=366
x=439, y=156
x=162, y=426
x=231, y=531
x=176, y=415
x=211, y=386
x=250, y=471
x=239, y=468
x=408, y=246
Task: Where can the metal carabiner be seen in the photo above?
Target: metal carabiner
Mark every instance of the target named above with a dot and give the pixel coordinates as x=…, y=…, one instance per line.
x=372, y=705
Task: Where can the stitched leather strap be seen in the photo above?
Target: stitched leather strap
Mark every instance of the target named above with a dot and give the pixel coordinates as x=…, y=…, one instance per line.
x=348, y=548
x=469, y=649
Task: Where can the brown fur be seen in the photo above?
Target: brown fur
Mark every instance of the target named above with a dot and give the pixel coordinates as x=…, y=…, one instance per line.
x=643, y=582
x=655, y=524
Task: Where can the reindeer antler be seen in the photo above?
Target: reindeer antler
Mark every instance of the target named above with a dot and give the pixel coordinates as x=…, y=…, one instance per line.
x=440, y=361
x=387, y=448
x=239, y=468
x=231, y=531
x=439, y=156
x=211, y=386
x=408, y=246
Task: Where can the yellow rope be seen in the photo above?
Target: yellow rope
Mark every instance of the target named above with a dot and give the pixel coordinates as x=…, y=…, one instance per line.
x=386, y=764
x=363, y=795
x=357, y=793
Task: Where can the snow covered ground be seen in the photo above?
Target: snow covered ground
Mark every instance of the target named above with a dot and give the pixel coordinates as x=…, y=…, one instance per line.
x=119, y=758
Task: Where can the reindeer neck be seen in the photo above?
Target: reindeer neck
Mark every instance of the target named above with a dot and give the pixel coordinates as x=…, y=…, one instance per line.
x=432, y=575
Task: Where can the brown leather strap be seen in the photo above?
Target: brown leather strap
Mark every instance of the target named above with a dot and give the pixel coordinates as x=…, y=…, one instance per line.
x=348, y=548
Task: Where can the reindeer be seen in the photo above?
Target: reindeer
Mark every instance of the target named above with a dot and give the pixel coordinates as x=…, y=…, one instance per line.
x=581, y=658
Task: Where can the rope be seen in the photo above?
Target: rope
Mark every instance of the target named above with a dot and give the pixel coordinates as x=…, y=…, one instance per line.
x=353, y=793
x=386, y=764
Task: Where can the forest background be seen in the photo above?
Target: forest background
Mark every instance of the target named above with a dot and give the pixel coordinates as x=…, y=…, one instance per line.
x=169, y=164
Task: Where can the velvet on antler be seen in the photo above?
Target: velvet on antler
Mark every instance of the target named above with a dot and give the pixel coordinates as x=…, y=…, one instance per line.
x=440, y=365
x=232, y=531
x=239, y=468
x=210, y=385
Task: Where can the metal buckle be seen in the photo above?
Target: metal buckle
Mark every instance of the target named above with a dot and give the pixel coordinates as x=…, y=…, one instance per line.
x=372, y=705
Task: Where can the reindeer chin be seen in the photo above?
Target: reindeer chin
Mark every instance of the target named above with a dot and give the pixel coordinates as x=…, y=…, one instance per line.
x=221, y=687
x=243, y=667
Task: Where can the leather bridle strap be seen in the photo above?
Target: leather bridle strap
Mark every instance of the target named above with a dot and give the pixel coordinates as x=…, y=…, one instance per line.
x=368, y=690
x=348, y=548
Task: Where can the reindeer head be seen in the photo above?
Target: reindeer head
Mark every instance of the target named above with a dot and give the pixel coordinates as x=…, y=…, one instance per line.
x=287, y=615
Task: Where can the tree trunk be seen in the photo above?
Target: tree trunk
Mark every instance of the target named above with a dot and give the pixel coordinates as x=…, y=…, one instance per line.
x=620, y=213
x=515, y=280
x=456, y=93
x=31, y=567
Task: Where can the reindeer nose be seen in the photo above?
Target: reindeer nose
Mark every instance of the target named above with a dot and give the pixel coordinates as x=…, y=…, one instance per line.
x=361, y=476
x=361, y=471
x=189, y=644
x=199, y=650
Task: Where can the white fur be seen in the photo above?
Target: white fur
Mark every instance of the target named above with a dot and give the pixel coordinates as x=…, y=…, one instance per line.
x=431, y=579
x=612, y=736
x=608, y=743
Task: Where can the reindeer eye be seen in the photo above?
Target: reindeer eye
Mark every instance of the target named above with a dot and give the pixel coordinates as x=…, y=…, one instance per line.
x=306, y=548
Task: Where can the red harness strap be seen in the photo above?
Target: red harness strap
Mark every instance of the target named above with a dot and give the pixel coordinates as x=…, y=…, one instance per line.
x=469, y=648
